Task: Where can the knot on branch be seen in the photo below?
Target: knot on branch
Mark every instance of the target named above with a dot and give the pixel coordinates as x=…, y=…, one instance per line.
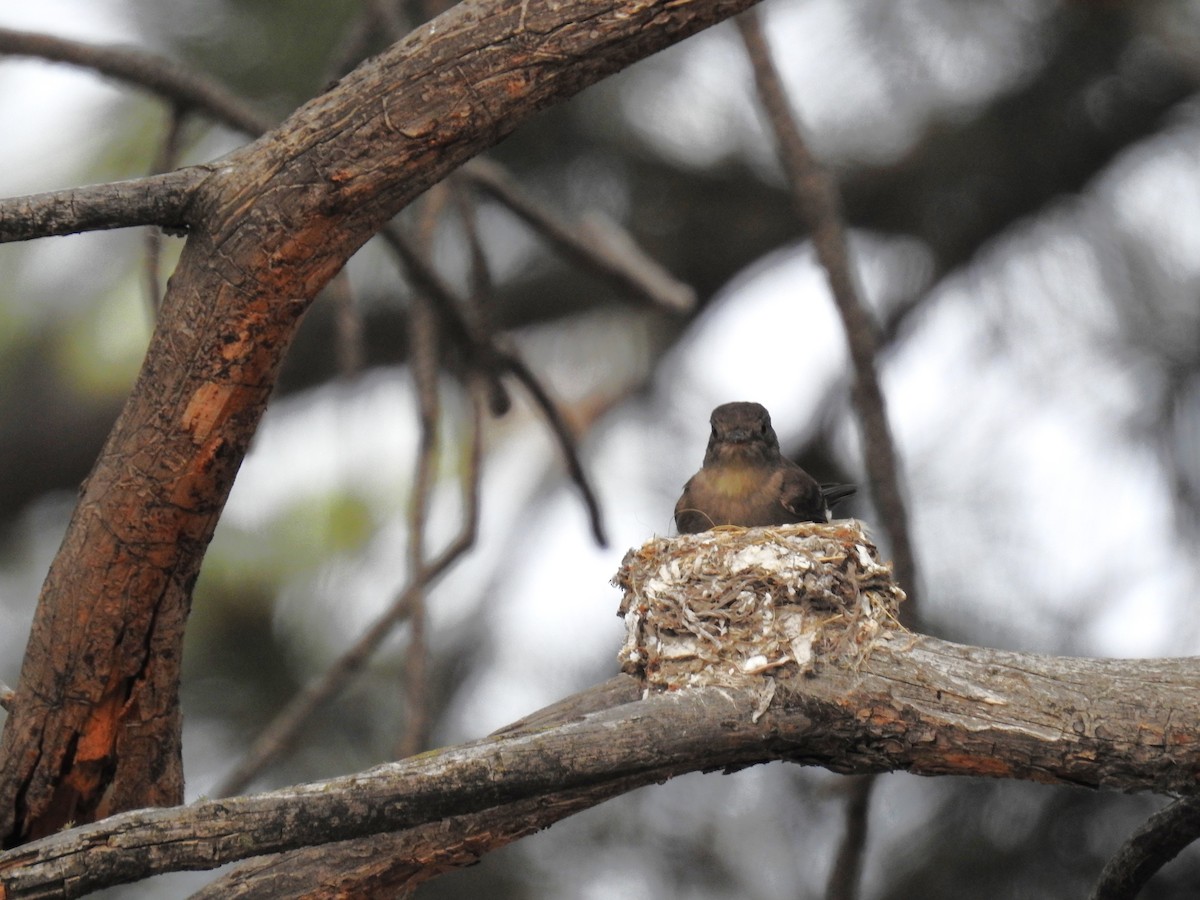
x=738, y=606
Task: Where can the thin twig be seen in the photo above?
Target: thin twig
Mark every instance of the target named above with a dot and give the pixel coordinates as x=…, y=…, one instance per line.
x=348, y=329
x=566, y=441
x=846, y=874
x=480, y=272
x=423, y=362
x=164, y=161
x=162, y=76
x=598, y=244
x=279, y=736
x=483, y=351
x=467, y=335
x=1158, y=841
x=819, y=204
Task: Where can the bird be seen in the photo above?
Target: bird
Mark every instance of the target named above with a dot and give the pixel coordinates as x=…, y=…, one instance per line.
x=745, y=480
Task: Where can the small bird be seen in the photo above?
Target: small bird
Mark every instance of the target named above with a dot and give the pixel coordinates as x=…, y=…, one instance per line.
x=745, y=480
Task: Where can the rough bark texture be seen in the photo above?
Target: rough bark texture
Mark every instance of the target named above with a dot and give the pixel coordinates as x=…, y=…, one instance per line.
x=915, y=704
x=97, y=704
x=158, y=199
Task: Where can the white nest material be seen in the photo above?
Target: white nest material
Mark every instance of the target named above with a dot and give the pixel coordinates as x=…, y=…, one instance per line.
x=738, y=606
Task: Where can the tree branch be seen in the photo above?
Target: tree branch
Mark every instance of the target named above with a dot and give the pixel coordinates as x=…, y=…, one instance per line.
x=817, y=200
x=915, y=703
x=168, y=79
x=388, y=864
x=97, y=702
x=596, y=244
x=163, y=200
x=1154, y=844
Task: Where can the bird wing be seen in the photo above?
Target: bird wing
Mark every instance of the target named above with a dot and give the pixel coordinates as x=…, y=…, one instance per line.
x=688, y=519
x=801, y=496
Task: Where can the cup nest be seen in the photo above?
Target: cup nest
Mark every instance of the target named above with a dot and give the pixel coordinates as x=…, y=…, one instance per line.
x=740, y=606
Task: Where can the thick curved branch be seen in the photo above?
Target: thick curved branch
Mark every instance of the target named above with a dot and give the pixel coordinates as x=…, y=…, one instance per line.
x=97, y=702
x=916, y=704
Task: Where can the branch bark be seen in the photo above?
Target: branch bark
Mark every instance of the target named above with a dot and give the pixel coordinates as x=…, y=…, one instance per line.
x=154, y=200
x=1159, y=840
x=168, y=79
x=819, y=204
x=95, y=727
x=916, y=704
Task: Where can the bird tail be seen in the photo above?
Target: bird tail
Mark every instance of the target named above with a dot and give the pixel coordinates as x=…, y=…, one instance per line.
x=834, y=494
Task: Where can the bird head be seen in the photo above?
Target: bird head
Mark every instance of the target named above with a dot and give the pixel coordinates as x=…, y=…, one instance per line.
x=741, y=433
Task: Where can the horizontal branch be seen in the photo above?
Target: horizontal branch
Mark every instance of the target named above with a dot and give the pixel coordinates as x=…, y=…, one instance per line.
x=916, y=704
x=154, y=200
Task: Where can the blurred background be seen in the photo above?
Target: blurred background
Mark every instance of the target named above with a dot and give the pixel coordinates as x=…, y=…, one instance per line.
x=1022, y=180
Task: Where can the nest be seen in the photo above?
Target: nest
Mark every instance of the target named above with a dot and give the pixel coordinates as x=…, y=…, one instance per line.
x=739, y=606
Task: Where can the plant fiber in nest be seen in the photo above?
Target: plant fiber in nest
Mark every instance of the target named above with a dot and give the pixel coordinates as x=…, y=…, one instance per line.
x=738, y=606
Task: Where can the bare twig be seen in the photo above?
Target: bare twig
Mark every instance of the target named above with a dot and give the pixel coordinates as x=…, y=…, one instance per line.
x=280, y=734
x=566, y=441
x=475, y=344
x=480, y=271
x=1154, y=844
x=483, y=351
x=845, y=876
x=6, y=696
x=347, y=325
x=423, y=361
x=423, y=344
x=154, y=200
x=598, y=245
x=817, y=200
x=164, y=161
x=185, y=88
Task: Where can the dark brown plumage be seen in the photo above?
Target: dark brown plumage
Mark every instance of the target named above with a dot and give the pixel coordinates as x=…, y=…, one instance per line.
x=745, y=480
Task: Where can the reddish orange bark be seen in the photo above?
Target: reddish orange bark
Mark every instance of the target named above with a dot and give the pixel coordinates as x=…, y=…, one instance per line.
x=95, y=726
